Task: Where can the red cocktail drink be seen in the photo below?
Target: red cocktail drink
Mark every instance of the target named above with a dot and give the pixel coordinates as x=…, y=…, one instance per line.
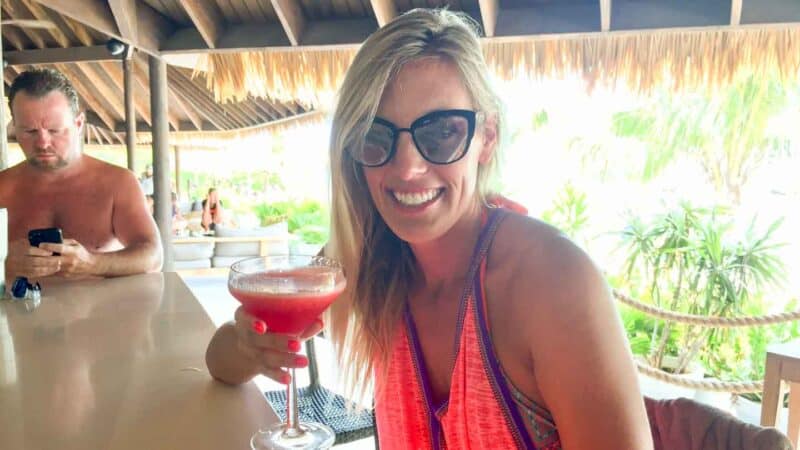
x=288, y=292
x=285, y=311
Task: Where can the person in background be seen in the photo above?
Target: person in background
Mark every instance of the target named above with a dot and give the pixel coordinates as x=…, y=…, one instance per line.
x=178, y=222
x=434, y=258
x=147, y=180
x=98, y=206
x=213, y=213
x=151, y=204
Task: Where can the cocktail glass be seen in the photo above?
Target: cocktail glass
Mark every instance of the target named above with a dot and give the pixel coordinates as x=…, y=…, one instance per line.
x=288, y=292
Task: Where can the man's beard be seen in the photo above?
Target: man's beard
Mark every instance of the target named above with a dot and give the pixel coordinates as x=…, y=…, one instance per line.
x=57, y=163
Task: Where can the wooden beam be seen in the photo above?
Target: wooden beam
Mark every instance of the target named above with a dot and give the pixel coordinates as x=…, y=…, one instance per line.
x=108, y=98
x=59, y=55
x=187, y=109
x=124, y=12
x=605, y=15
x=736, y=12
x=17, y=11
x=385, y=11
x=87, y=93
x=250, y=108
x=292, y=19
x=209, y=115
x=3, y=137
x=106, y=136
x=161, y=186
x=267, y=111
x=206, y=105
x=15, y=37
x=318, y=35
x=177, y=158
x=92, y=13
x=489, y=10
x=78, y=29
x=36, y=10
x=97, y=14
x=206, y=18
x=140, y=101
x=130, y=113
x=141, y=81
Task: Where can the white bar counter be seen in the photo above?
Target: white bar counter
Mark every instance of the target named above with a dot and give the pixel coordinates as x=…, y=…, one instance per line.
x=118, y=364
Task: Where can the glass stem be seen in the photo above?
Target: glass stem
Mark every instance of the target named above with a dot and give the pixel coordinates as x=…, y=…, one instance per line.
x=292, y=423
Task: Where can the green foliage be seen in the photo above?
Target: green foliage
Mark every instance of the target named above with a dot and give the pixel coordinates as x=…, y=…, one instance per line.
x=684, y=261
x=726, y=131
x=307, y=219
x=539, y=120
x=568, y=212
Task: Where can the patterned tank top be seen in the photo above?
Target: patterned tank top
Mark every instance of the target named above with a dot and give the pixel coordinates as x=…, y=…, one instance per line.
x=483, y=409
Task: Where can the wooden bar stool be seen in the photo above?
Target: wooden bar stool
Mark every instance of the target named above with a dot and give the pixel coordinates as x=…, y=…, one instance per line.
x=782, y=373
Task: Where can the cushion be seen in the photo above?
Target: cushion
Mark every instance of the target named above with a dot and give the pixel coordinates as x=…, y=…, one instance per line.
x=245, y=249
x=187, y=251
x=226, y=261
x=193, y=264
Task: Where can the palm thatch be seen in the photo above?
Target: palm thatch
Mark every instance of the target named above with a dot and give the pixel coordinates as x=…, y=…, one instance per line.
x=223, y=138
x=642, y=60
x=308, y=77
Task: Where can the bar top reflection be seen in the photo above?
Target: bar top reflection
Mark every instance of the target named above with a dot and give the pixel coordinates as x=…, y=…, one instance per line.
x=117, y=364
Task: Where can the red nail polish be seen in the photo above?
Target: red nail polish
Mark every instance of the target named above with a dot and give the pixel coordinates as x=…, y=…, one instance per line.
x=294, y=346
x=286, y=378
x=301, y=361
x=320, y=323
x=259, y=327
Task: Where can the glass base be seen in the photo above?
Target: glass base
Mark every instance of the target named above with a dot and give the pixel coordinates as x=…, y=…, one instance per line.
x=311, y=436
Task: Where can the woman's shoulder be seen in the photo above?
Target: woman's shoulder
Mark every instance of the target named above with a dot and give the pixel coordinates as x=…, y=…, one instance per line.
x=542, y=267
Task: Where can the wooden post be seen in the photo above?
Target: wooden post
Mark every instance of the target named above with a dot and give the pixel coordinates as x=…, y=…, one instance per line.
x=130, y=113
x=177, y=151
x=3, y=137
x=736, y=12
x=160, y=132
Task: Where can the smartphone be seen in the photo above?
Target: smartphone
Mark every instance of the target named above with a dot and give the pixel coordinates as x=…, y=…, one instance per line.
x=51, y=235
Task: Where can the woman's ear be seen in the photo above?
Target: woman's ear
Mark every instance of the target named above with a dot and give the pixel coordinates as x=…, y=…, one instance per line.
x=489, y=134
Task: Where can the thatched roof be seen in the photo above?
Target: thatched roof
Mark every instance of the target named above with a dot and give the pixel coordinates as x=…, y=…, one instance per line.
x=274, y=59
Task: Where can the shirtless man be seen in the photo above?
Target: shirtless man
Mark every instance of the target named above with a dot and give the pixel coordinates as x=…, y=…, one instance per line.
x=99, y=207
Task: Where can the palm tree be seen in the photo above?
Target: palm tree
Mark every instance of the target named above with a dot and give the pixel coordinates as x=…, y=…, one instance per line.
x=725, y=131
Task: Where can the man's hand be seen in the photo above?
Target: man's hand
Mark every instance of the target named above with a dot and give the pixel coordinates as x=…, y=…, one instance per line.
x=76, y=261
x=30, y=262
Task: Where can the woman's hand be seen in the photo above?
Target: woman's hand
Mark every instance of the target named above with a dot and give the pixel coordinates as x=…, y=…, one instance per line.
x=271, y=353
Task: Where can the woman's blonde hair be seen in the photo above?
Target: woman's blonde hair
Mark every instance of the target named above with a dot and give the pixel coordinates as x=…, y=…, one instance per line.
x=379, y=266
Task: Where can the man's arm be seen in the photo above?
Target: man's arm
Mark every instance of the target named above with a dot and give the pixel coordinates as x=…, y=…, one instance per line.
x=205, y=220
x=133, y=227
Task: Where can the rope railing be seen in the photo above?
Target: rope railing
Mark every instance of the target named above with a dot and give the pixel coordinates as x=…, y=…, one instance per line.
x=722, y=322
x=735, y=387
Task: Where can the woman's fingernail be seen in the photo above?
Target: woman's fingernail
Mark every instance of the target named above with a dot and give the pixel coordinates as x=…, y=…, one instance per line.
x=286, y=378
x=259, y=327
x=294, y=346
x=320, y=323
x=301, y=361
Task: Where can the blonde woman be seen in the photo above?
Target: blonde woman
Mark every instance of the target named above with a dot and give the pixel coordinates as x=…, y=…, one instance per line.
x=481, y=327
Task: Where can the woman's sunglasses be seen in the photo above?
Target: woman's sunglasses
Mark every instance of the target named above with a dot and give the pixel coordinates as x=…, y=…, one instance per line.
x=441, y=137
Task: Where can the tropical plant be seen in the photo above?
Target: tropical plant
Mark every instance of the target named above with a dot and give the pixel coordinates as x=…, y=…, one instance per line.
x=726, y=131
x=568, y=212
x=307, y=219
x=684, y=261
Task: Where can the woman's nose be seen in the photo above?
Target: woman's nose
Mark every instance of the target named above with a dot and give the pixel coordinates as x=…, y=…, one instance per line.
x=407, y=159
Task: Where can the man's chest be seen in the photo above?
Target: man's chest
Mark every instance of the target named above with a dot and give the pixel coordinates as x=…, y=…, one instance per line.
x=82, y=214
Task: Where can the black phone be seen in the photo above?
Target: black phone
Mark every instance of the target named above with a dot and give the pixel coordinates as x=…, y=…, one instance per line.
x=51, y=235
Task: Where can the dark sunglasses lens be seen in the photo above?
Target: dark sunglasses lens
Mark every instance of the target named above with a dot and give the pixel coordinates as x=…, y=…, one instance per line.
x=377, y=146
x=443, y=139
